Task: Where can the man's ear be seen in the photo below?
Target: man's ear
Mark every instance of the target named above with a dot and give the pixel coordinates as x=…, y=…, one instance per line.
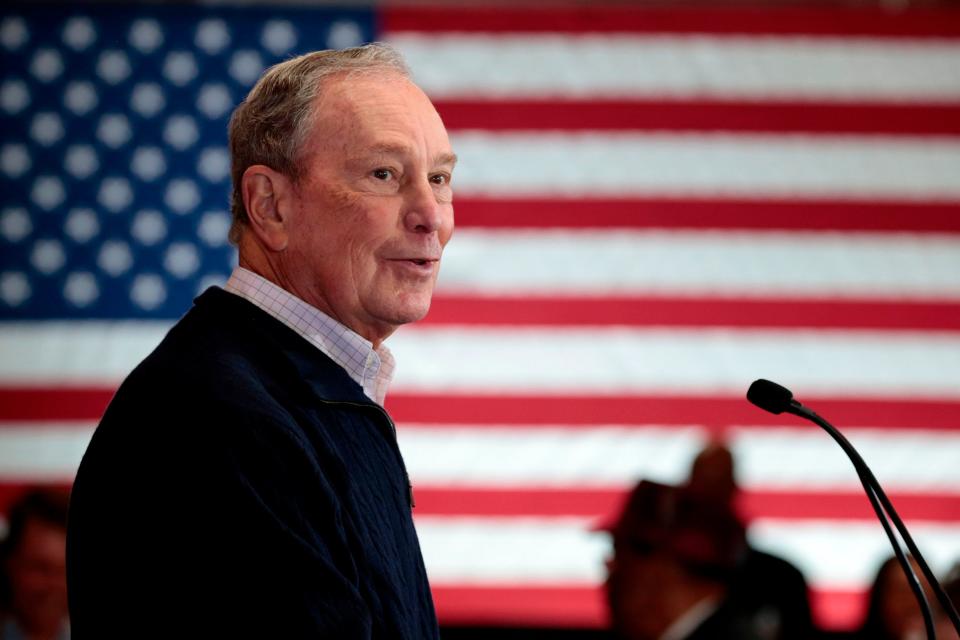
x=268, y=198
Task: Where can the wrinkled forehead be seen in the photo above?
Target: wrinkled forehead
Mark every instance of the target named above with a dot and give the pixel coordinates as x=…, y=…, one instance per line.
x=371, y=106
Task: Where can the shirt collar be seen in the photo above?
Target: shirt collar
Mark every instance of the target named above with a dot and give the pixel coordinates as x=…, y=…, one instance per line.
x=691, y=619
x=371, y=368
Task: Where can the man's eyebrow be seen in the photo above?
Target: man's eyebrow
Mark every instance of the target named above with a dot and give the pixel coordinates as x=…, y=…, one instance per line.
x=386, y=149
x=446, y=158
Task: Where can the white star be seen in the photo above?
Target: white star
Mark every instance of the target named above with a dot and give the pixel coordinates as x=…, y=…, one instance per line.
x=182, y=196
x=14, y=96
x=14, y=288
x=79, y=33
x=81, y=161
x=113, y=66
x=278, y=37
x=149, y=227
x=80, y=97
x=15, y=224
x=181, y=259
x=47, y=256
x=81, y=225
x=47, y=65
x=81, y=289
x=48, y=192
x=147, y=99
x=213, y=36
x=15, y=160
x=145, y=35
x=148, y=291
x=115, y=194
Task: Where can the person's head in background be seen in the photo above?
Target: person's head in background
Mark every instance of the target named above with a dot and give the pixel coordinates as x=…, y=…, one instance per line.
x=892, y=610
x=33, y=587
x=672, y=552
x=712, y=474
x=951, y=586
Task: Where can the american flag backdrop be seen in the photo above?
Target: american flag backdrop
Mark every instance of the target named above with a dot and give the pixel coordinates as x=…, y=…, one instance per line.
x=654, y=207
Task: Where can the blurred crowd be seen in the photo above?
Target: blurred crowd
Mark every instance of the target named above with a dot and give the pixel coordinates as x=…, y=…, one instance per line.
x=681, y=568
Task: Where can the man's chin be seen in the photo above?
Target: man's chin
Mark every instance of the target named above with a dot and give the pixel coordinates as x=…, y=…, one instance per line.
x=407, y=309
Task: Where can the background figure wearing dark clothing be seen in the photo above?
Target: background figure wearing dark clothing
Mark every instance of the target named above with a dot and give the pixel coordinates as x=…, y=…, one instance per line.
x=33, y=581
x=766, y=584
x=682, y=568
x=893, y=612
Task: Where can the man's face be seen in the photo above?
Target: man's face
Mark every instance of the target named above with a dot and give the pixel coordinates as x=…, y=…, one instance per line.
x=373, y=208
x=37, y=574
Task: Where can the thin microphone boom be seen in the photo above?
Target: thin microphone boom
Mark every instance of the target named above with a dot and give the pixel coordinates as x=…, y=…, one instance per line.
x=776, y=399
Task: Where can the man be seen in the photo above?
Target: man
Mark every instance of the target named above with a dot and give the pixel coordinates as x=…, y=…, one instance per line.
x=33, y=584
x=245, y=480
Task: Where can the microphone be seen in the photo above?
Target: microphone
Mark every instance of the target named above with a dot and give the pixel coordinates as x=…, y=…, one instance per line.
x=777, y=399
x=771, y=397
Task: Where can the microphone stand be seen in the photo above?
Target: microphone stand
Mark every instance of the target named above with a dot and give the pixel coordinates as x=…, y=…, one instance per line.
x=783, y=401
x=881, y=504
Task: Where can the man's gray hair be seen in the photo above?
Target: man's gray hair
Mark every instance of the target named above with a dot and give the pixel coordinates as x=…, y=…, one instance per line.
x=272, y=124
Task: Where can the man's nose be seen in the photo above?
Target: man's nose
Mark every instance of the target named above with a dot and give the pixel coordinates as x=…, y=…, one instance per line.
x=424, y=213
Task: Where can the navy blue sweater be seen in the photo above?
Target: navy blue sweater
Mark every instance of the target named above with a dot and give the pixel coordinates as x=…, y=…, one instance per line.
x=241, y=484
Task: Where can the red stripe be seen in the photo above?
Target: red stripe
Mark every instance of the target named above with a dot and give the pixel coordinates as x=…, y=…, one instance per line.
x=583, y=606
x=51, y=404
x=837, y=610
x=605, y=503
x=693, y=312
x=776, y=20
x=691, y=213
x=545, y=605
x=715, y=413
x=700, y=115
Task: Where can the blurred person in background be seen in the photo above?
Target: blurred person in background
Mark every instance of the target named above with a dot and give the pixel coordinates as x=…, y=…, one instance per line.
x=245, y=480
x=761, y=582
x=951, y=586
x=682, y=567
x=33, y=582
x=893, y=612
x=672, y=562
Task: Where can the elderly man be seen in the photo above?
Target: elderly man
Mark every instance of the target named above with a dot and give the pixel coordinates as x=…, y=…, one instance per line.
x=245, y=481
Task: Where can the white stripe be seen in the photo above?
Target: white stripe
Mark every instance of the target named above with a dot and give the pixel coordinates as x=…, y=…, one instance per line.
x=81, y=353
x=686, y=164
x=705, y=263
x=514, y=360
x=603, y=456
x=846, y=555
x=48, y=452
x=620, y=360
x=618, y=66
x=516, y=550
x=832, y=554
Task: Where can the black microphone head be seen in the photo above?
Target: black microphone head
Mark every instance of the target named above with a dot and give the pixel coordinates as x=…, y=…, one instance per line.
x=769, y=396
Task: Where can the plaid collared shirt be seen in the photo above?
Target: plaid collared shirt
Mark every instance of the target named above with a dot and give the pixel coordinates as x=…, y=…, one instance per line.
x=371, y=368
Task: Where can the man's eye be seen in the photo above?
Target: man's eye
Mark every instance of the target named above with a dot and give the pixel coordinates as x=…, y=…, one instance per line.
x=382, y=174
x=440, y=179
